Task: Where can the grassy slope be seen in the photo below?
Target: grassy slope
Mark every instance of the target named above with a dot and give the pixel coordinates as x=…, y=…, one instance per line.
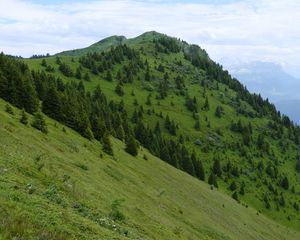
x=73, y=188
x=178, y=112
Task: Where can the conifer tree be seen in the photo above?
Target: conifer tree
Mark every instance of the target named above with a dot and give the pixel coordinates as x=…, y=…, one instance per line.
x=298, y=166
x=167, y=122
x=187, y=164
x=135, y=117
x=206, y=104
x=217, y=167
x=242, y=188
x=197, y=125
x=24, y=118
x=131, y=146
x=29, y=99
x=52, y=104
x=39, y=122
x=285, y=183
x=9, y=109
x=107, y=148
x=218, y=112
x=235, y=196
x=212, y=180
x=147, y=75
x=157, y=128
x=148, y=101
x=119, y=90
x=78, y=74
x=199, y=170
x=44, y=63
x=87, y=77
x=233, y=186
x=120, y=134
x=172, y=129
x=108, y=76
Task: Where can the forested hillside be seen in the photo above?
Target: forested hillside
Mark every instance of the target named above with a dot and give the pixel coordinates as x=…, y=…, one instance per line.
x=60, y=185
x=171, y=98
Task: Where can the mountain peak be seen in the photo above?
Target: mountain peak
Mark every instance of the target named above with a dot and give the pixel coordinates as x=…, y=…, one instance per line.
x=111, y=40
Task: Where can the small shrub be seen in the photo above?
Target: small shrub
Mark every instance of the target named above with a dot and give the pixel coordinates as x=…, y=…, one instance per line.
x=9, y=109
x=115, y=213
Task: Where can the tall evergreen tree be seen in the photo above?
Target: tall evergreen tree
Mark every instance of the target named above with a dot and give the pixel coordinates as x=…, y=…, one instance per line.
x=131, y=146
x=52, y=104
x=9, y=109
x=206, y=104
x=119, y=90
x=199, y=170
x=186, y=162
x=107, y=148
x=108, y=76
x=197, y=125
x=217, y=167
x=24, y=118
x=212, y=180
x=29, y=99
x=285, y=183
x=86, y=77
x=39, y=122
x=78, y=74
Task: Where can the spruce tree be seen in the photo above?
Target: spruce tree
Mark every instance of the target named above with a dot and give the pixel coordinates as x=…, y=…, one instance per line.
x=78, y=74
x=197, y=125
x=218, y=112
x=39, y=122
x=87, y=77
x=167, y=122
x=9, y=109
x=108, y=76
x=157, y=128
x=298, y=166
x=233, y=186
x=186, y=162
x=217, y=167
x=206, y=104
x=44, y=63
x=119, y=90
x=131, y=146
x=199, y=170
x=285, y=183
x=120, y=134
x=242, y=188
x=107, y=148
x=24, y=118
x=235, y=196
x=212, y=180
x=29, y=99
x=52, y=104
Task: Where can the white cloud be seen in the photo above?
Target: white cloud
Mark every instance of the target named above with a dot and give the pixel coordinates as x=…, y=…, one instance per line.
x=245, y=30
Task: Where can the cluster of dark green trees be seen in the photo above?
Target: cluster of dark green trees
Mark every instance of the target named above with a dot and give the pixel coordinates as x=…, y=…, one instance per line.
x=215, y=72
x=105, y=61
x=91, y=114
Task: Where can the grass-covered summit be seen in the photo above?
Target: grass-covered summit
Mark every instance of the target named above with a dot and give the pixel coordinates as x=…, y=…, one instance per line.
x=168, y=96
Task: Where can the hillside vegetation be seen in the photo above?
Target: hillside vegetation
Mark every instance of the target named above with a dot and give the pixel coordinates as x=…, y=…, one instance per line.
x=63, y=186
x=169, y=97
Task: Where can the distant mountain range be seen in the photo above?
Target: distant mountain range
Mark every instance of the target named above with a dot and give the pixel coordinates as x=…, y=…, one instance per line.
x=271, y=81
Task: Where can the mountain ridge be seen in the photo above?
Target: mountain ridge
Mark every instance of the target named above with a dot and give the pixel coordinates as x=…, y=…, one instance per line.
x=111, y=41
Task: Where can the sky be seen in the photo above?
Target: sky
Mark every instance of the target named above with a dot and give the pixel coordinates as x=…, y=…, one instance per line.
x=230, y=30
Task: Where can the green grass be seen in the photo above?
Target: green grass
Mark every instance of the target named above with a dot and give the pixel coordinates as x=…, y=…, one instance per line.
x=57, y=186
